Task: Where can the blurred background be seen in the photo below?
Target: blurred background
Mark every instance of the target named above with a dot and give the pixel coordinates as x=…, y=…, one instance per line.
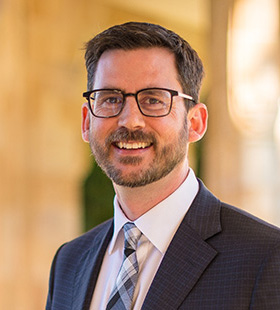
x=51, y=190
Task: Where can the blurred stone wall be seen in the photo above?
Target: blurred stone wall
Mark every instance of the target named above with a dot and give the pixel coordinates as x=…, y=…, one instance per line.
x=41, y=158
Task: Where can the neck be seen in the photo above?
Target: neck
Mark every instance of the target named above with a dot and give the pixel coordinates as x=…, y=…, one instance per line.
x=137, y=201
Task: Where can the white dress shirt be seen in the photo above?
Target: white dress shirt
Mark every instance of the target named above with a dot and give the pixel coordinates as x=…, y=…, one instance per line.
x=158, y=226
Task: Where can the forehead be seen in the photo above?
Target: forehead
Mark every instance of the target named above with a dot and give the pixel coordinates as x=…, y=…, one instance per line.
x=142, y=67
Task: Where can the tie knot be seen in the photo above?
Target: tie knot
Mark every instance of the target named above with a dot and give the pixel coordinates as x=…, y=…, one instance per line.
x=131, y=236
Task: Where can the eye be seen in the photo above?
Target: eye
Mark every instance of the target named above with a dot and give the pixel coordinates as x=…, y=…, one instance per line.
x=104, y=98
x=112, y=100
x=153, y=101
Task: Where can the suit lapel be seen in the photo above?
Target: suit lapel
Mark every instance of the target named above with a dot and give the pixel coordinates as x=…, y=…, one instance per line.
x=88, y=269
x=188, y=254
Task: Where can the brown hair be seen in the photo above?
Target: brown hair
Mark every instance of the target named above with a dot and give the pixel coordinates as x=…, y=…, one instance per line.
x=135, y=35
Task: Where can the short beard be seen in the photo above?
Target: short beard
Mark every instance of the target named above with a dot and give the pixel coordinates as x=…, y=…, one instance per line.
x=166, y=159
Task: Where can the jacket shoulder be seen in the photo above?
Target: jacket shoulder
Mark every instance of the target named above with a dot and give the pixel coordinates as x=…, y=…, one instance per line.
x=85, y=242
x=248, y=225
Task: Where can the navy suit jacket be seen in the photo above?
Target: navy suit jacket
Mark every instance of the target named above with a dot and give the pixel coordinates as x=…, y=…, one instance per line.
x=220, y=258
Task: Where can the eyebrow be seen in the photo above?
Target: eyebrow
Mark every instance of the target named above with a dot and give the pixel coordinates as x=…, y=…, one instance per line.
x=124, y=91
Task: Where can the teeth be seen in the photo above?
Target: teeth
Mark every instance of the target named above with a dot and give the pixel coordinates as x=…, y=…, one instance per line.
x=132, y=146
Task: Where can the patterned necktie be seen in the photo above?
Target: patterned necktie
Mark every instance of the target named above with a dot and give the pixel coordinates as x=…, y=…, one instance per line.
x=122, y=293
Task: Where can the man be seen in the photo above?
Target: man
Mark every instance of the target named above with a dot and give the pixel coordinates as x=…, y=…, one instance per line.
x=171, y=244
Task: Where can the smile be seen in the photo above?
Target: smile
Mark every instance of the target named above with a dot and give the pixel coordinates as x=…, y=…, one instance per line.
x=132, y=146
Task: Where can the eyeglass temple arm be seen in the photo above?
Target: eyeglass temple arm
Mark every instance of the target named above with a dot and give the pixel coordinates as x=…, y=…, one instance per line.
x=186, y=96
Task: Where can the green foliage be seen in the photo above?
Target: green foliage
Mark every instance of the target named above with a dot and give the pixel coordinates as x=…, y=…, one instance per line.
x=98, y=194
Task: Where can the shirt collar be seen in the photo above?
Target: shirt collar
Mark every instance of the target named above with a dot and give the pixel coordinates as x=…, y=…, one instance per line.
x=119, y=220
x=161, y=222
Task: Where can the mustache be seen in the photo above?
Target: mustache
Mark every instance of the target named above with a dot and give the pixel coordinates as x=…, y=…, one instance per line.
x=125, y=135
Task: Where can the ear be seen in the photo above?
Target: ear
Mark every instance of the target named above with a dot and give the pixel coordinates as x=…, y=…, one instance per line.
x=85, y=122
x=197, y=122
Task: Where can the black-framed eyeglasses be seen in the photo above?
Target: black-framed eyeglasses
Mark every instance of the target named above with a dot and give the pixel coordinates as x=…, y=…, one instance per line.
x=153, y=102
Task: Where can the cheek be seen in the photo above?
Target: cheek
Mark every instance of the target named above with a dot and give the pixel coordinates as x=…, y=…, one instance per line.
x=171, y=126
x=101, y=128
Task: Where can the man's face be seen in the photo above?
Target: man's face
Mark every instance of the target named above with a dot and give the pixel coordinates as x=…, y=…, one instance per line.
x=133, y=149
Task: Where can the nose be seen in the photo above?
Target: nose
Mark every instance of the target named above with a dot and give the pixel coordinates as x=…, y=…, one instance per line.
x=131, y=117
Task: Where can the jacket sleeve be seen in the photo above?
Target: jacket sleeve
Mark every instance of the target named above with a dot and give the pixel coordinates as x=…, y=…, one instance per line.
x=266, y=293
